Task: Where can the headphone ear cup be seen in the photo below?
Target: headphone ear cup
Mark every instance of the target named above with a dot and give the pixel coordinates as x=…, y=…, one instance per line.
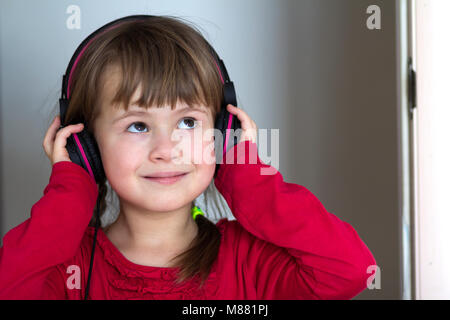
x=235, y=125
x=221, y=124
x=86, y=148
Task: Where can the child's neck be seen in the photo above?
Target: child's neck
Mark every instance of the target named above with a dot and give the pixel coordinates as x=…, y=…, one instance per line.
x=151, y=241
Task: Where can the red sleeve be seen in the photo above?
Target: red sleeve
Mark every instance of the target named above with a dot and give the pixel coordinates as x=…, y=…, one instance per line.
x=306, y=252
x=54, y=287
x=32, y=250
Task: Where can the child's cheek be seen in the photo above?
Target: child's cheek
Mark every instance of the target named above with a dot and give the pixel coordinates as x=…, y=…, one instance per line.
x=209, y=156
x=197, y=147
x=194, y=147
x=184, y=148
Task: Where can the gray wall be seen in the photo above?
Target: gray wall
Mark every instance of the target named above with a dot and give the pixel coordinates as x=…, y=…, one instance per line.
x=308, y=67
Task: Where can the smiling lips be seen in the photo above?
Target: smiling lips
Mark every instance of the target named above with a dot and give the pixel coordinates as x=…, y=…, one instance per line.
x=166, y=177
x=165, y=174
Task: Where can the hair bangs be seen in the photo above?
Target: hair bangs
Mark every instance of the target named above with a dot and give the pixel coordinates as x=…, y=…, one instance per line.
x=161, y=74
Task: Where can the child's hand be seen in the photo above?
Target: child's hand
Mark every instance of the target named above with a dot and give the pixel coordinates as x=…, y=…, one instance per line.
x=55, y=140
x=248, y=126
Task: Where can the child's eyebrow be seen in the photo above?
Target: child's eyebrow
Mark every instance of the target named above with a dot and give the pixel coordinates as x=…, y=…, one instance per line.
x=144, y=113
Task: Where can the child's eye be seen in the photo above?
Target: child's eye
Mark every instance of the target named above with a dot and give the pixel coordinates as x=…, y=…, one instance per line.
x=190, y=122
x=140, y=125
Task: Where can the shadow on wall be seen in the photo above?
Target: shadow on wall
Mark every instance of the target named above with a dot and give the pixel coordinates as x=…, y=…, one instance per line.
x=343, y=108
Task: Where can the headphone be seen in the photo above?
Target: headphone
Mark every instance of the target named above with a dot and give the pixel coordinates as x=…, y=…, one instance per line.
x=82, y=147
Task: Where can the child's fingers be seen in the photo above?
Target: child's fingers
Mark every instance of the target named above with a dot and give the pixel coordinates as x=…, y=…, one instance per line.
x=55, y=140
x=244, y=118
x=248, y=126
x=49, y=137
x=59, y=148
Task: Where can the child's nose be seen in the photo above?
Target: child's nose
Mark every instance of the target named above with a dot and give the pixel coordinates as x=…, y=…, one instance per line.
x=165, y=145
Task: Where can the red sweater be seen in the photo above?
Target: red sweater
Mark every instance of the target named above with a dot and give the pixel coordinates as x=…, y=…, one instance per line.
x=283, y=245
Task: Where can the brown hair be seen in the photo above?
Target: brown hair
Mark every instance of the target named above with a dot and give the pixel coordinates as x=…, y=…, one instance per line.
x=172, y=62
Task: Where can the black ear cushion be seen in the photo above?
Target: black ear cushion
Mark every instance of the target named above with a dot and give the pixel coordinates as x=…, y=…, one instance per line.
x=91, y=151
x=93, y=154
x=221, y=124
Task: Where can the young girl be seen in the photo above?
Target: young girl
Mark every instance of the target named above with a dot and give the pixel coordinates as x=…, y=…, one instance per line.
x=134, y=88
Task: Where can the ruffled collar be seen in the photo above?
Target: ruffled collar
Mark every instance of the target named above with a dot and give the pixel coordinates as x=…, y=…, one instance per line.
x=154, y=280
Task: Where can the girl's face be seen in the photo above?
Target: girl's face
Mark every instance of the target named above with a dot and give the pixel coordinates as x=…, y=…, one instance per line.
x=139, y=144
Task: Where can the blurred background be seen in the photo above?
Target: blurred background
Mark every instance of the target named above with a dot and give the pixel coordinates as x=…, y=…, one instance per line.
x=314, y=69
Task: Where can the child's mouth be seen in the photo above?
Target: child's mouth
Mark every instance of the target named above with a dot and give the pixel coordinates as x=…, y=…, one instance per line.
x=167, y=180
